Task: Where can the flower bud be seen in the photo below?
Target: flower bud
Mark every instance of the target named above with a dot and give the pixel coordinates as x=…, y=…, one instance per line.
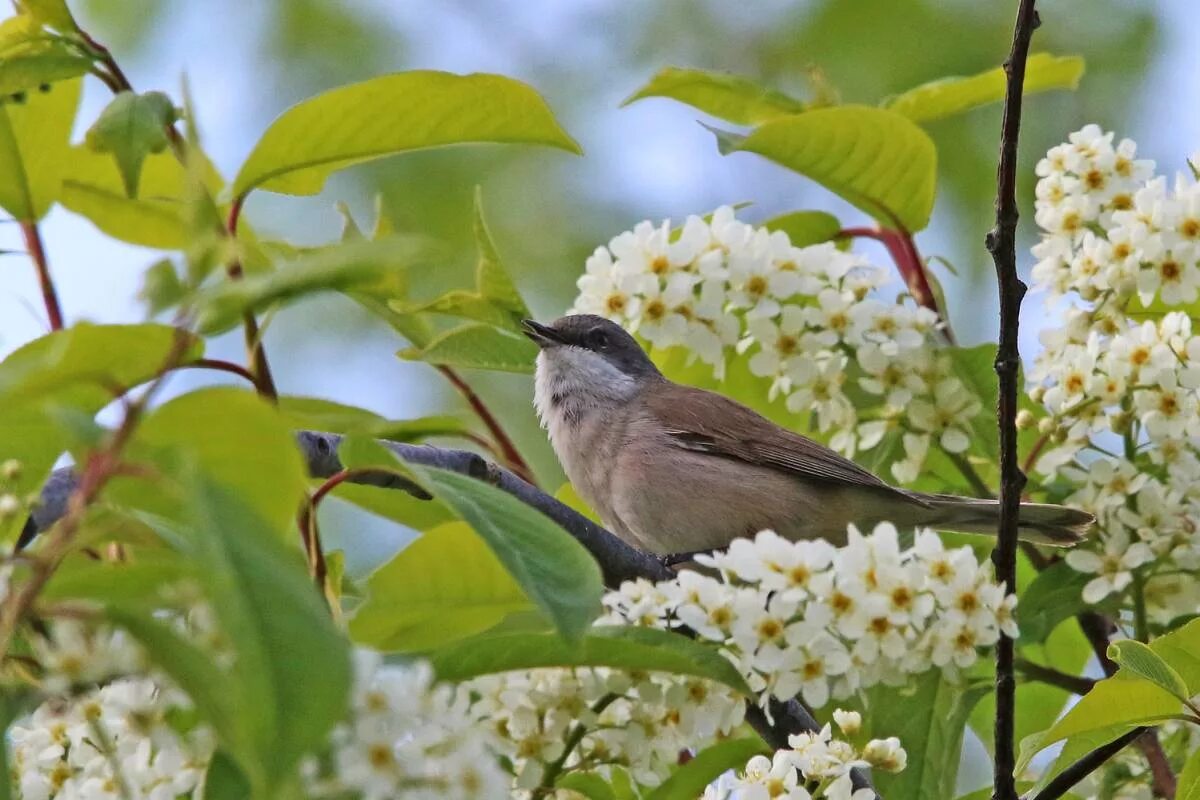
x=1037, y=393
x=1045, y=425
x=1120, y=421
x=887, y=754
x=10, y=504
x=10, y=470
x=1025, y=419
x=849, y=721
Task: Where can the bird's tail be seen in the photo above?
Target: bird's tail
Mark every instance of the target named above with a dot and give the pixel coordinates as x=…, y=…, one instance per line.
x=1041, y=523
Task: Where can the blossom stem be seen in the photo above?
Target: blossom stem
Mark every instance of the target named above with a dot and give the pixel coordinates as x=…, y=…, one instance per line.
x=968, y=471
x=1001, y=243
x=37, y=251
x=1141, y=624
x=555, y=768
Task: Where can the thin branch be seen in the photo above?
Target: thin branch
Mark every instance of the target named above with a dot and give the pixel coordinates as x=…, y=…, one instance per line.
x=33, y=243
x=1075, y=684
x=221, y=366
x=618, y=561
x=1001, y=243
x=1085, y=766
x=508, y=450
x=255, y=353
x=968, y=471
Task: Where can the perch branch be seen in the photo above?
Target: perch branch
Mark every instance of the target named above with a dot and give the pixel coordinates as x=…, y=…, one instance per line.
x=1001, y=243
x=1086, y=766
x=618, y=561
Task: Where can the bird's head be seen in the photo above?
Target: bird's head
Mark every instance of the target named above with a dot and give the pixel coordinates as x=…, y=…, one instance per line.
x=589, y=356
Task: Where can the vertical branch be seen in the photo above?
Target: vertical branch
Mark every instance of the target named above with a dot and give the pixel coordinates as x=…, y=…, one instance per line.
x=508, y=450
x=1001, y=243
x=255, y=353
x=33, y=243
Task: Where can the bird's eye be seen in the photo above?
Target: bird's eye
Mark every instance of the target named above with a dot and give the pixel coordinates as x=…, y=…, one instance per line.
x=598, y=339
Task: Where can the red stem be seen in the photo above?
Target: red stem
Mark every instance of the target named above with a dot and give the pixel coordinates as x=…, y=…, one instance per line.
x=512, y=456
x=33, y=243
x=221, y=366
x=255, y=352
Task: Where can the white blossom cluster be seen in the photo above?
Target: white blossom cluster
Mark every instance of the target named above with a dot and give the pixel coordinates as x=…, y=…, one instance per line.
x=1120, y=383
x=809, y=319
x=408, y=738
x=640, y=722
x=815, y=766
x=118, y=742
x=811, y=619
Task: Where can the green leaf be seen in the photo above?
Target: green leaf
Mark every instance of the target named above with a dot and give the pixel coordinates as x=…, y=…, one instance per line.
x=1181, y=650
x=948, y=96
x=394, y=114
x=340, y=268
x=1073, y=749
x=721, y=94
x=131, y=127
x=83, y=364
x=804, y=228
x=1188, y=787
x=588, y=784
x=157, y=217
x=615, y=646
x=224, y=780
x=1055, y=595
x=326, y=415
x=1122, y=700
x=445, y=586
x=930, y=719
x=30, y=72
x=52, y=13
x=495, y=300
x=688, y=782
x=240, y=442
x=34, y=139
x=476, y=346
x=358, y=452
x=877, y=160
x=118, y=583
x=1139, y=659
x=161, y=287
x=290, y=680
x=553, y=569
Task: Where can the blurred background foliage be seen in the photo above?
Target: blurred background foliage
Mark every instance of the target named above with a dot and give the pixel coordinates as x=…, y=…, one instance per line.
x=246, y=62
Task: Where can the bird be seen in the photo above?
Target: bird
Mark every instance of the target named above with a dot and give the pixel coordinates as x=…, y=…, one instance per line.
x=675, y=469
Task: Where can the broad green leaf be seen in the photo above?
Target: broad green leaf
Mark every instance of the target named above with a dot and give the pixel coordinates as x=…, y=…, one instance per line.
x=30, y=72
x=588, y=784
x=1139, y=659
x=394, y=114
x=158, y=217
x=877, y=160
x=326, y=415
x=615, y=646
x=83, y=365
x=495, y=300
x=119, y=583
x=804, y=228
x=1072, y=750
x=553, y=569
x=445, y=586
x=224, y=780
x=240, y=442
x=161, y=287
x=948, y=96
x=930, y=719
x=1056, y=594
x=340, y=268
x=1122, y=700
x=1181, y=650
x=726, y=96
x=131, y=127
x=290, y=680
x=53, y=13
x=688, y=782
x=399, y=506
x=476, y=346
x=1188, y=787
x=34, y=139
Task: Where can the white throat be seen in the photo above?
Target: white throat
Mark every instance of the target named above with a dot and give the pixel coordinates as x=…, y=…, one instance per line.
x=570, y=384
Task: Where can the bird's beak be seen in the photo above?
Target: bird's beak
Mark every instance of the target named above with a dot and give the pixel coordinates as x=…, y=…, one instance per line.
x=542, y=335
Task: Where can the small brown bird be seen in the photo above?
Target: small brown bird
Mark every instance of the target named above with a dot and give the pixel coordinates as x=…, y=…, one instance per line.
x=676, y=469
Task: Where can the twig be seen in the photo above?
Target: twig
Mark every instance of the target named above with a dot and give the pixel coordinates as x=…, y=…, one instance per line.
x=1035, y=452
x=1001, y=243
x=903, y=249
x=964, y=466
x=618, y=561
x=33, y=243
x=555, y=768
x=221, y=366
x=1075, y=684
x=508, y=450
x=1085, y=766
x=255, y=352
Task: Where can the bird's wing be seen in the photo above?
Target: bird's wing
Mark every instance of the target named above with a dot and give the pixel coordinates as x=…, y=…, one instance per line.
x=707, y=422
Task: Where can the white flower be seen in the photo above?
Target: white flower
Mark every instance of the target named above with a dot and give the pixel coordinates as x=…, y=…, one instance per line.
x=849, y=721
x=1113, y=568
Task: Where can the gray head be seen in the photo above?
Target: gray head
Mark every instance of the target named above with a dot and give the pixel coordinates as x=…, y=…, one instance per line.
x=603, y=338
x=586, y=363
